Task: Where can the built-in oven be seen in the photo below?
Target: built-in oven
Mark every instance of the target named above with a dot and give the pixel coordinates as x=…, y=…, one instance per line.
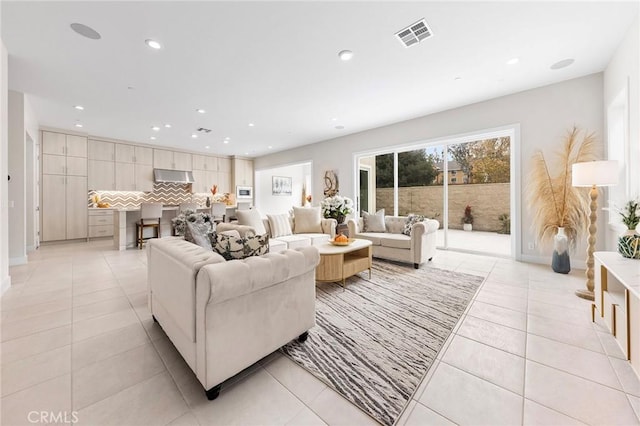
x=244, y=192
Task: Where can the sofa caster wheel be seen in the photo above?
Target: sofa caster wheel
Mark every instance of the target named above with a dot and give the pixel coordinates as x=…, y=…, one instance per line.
x=416, y=266
x=213, y=392
x=154, y=318
x=430, y=259
x=303, y=337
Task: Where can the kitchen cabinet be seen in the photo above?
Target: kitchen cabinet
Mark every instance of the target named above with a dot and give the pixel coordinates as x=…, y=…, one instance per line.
x=61, y=144
x=64, y=207
x=224, y=165
x=143, y=155
x=101, y=175
x=144, y=177
x=223, y=181
x=171, y=160
x=125, y=153
x=242, y=172
x=125, y=176
x=100, y=223
x=99, y=150
x=64, y=186
x=205, y=162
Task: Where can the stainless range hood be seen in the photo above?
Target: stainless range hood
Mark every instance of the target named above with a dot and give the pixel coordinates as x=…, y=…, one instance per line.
x=172, y=176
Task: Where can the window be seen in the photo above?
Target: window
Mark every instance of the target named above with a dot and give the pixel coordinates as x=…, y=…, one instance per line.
x=454, y=180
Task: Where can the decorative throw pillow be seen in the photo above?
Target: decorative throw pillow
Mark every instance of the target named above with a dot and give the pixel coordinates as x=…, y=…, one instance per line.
x=198, y=233
x=251, y=218
x=234, y=247
x=307, y=220
x=279, y=224
x=374, y=222
x=411, y=219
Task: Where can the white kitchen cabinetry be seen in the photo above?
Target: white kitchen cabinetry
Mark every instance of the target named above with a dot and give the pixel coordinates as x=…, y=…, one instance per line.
x=102, y=175
x=144, y=177
x=133, y=168
x=125, y=176
x=99, y=150
x=125, y=153
x=242, y=172
x=224, y=182
x=100, y=223
x=171, y=160
x=64, y=186
x=64, y=207
x=61, y=144
x=144, y=156
x=204, y=162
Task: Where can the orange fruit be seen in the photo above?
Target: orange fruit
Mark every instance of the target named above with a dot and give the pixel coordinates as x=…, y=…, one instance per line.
x=341, y=238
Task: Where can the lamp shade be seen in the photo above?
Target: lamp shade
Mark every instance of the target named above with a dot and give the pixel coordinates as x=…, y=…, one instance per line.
x=598, y=173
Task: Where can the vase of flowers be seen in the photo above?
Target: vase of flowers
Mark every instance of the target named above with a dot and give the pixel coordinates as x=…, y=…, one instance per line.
x=336, y=207
x=629, y=242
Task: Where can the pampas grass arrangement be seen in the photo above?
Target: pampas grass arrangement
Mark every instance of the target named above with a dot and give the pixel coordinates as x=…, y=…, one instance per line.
x=552, y=199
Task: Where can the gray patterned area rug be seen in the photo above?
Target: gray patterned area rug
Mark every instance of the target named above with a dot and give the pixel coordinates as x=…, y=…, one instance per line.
x=375, y=341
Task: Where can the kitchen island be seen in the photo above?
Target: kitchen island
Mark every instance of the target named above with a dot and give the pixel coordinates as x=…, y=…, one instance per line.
x=125, y=219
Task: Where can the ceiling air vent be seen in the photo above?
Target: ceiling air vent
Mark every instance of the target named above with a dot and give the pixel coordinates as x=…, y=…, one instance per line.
x=414, y=33
x=202, y=129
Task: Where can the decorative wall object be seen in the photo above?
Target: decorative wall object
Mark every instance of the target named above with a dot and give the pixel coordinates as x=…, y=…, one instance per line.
x=281, y=185
x=331, y=183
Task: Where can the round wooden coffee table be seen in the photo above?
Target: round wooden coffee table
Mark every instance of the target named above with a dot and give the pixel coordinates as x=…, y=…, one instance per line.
x=337, y=263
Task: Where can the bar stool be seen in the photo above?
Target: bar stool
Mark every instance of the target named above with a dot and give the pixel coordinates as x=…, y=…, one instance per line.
x=218, y=212
x=150, y=215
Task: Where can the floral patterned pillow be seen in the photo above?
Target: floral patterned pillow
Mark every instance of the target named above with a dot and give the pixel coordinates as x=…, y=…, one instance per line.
x=235, y=247
x=411, y=220
x=198, y=233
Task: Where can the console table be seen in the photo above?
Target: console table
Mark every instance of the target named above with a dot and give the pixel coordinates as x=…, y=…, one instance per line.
x=617, y=299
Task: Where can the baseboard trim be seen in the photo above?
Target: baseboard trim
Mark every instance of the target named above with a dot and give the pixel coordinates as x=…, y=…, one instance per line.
x=6, y=283
x=15, y=261
x=30, y=248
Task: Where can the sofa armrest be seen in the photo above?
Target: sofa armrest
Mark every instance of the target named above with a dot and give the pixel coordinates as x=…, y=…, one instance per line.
x=329, y=226
x=355, y=226
x=427, y=226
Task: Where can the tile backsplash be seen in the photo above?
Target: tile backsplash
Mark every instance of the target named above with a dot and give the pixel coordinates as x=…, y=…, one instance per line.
x=165, y=193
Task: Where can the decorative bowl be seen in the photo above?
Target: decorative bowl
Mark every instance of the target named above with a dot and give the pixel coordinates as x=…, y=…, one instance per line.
x=342, y=243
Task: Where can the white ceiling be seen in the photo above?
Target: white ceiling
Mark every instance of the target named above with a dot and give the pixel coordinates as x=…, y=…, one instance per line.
x=275, y=64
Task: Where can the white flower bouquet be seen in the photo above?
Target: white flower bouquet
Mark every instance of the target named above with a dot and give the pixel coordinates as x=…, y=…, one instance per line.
x=336, y=207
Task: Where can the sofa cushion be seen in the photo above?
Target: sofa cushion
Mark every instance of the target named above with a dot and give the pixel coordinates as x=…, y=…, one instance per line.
x=251, y=218
x=279, y=224
x=307, y=220
x=198, y=233
x=276, y=246
x=411, y=219
x=395, y=224
x=232, y=247
x=317, y=239
x=374, y=237
x=295, y=241
x=374, y=222
x=400, y=241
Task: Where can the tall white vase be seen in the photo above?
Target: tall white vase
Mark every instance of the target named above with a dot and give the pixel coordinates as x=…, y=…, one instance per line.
x=561, y=263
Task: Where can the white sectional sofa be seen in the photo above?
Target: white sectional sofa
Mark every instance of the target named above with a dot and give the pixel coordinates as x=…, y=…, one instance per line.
x=223, y=316
x=304, y=239
x=418, y=248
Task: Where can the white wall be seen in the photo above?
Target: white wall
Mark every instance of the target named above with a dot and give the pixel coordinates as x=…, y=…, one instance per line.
x=544, y=114
x=267, y=203
x=623, y=70
x=18, y=183
x=5, y=279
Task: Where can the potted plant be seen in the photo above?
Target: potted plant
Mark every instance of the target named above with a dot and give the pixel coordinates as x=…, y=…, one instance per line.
x=629, y=242
x=467, y=219
x=336, y=207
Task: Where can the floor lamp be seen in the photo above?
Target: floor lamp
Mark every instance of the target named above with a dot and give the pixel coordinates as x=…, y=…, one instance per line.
x=593, y=174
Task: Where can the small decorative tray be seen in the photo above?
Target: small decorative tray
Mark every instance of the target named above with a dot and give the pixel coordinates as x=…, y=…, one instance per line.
x=342, y=243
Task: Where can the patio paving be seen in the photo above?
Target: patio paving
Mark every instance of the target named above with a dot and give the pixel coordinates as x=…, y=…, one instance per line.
x=476, y=241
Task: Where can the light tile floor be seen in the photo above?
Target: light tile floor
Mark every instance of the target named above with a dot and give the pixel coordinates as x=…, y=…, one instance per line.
x=77, y=336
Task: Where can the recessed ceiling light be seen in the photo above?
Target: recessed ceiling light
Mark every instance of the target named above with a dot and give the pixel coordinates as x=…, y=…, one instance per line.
x=153, y=44
x=153, y=138
x=458, y=78
x=155, y=128
x=269, y=147
x=194, y=136
x=168, y=126
x=345, y=55
x=562, y=64
x=201, y=111
x=78, y=125
x=206, y=147
x=513, y=61
x=339, y=127
x=334, y=119
x=79, y=107
x=226, y=138
x=85, y=31
x=251, y=124
x=226, y=141
x=246, y=153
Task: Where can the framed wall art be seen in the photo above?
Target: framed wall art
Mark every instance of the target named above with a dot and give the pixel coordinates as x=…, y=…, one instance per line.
x=281, y=185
